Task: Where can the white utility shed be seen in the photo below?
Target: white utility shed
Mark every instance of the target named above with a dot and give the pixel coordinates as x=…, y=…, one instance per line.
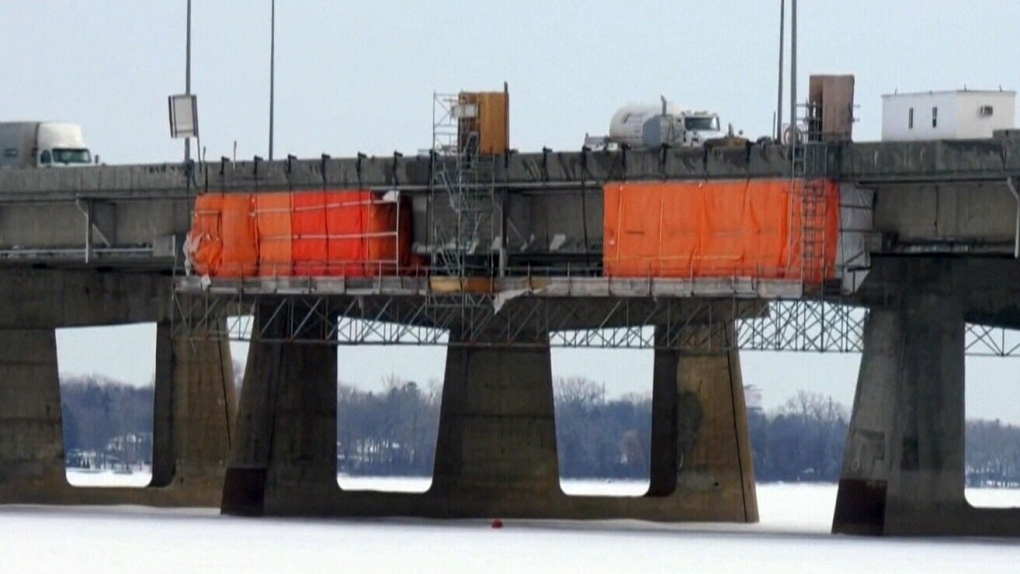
x=948, y=115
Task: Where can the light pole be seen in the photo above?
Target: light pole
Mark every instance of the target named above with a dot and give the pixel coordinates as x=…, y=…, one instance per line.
x=793, y=67
x=187, y=79
x=272, y=69
x=779, y=104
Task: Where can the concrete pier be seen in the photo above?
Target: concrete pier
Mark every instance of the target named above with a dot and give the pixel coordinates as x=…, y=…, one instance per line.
x=701, y=451
x=903, y=468
x=31, y=443
x=193, y=414
x=497, y=427
x=195, y=408
x=284, y=458
x=496, y=454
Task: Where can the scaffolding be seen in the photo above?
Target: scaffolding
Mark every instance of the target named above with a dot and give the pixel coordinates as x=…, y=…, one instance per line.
x=416, y=319
x=809, y=185
x=463, y=210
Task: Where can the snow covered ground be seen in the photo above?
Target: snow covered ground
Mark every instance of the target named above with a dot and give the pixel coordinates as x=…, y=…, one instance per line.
x=792, y=537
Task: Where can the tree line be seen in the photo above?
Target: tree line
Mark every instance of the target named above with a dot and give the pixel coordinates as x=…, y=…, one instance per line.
x=106, y=423
x=393, y=432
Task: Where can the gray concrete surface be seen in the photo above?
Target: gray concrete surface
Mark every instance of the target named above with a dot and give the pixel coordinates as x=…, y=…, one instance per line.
x=701, y=450
x=867, y=162
x=285, y=447
x=193, y=414
x=903, y=468
x=496, y=454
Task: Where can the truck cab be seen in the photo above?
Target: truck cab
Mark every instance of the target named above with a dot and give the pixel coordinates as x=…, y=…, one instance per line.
x=61, y=145
x=42, y=144
x=700, y=127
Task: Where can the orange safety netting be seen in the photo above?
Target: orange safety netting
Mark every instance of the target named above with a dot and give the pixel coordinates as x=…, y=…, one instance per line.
x=308, y=223
x=273, y=213
x=753, y=228
x=205, y=245
x=240, y=250
x=346, y=214
x=353, y=233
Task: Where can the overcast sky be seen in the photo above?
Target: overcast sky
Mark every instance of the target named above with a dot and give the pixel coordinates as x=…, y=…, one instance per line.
x=359, y=76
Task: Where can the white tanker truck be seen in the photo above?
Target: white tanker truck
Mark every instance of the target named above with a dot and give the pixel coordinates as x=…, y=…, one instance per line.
x=642, y=126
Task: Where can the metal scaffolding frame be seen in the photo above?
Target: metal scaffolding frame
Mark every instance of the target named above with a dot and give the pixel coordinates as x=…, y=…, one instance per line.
x=485, y=319
x=463, y=210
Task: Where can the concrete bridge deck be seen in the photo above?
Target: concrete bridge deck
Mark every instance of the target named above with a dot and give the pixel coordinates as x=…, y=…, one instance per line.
x=930, y=197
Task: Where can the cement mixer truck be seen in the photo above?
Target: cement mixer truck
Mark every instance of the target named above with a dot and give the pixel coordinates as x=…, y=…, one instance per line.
x=640, y=126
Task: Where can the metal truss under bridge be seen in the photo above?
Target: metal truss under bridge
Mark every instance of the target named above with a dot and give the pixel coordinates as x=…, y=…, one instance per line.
x=688, y=324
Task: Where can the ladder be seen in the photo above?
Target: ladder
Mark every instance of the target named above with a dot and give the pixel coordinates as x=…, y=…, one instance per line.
x=809, y=199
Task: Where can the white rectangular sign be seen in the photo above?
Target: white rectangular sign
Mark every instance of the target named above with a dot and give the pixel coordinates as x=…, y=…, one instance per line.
x=183, y=116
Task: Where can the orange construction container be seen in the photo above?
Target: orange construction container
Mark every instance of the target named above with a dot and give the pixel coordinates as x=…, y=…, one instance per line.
x=275, y=236
x=240, y=249
x=308, y=224
x=205, y=244
x=718, y=229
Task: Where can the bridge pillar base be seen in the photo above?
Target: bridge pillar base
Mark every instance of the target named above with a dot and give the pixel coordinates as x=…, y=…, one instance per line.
x=193, y=414
x=284, y=458
x=496, y=453
x=31, y=443
x=903, y=468
x=701, y=448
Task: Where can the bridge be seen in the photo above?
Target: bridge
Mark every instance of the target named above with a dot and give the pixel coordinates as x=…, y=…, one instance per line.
x=507, y=257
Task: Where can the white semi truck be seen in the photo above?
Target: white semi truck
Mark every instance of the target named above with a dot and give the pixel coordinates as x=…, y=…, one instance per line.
x=641, y=126
x=42, y=144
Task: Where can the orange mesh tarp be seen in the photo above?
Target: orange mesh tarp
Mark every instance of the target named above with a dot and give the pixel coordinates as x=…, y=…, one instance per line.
x=205, y=245
x=275, y=236
x=751, y=228
x=346, y=217
x=240, y=250
x=353, y=233
x=364, y=239
x=308, y=223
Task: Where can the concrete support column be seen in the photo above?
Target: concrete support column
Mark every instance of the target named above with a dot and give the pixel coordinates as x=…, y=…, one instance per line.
x=194, y=411
x=31, y=441
x=497, y=428
x=192, y=425
x=903, y=469
x=701, y=451
x=496, y=454
x=284, y=457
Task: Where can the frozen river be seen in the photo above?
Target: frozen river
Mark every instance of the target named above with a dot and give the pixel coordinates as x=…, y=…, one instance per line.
x=792, y=537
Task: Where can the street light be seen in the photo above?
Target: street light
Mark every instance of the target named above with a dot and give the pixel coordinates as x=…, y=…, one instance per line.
x=187, y=80
x=793, y=67
x=779, y=104
x=272, y=66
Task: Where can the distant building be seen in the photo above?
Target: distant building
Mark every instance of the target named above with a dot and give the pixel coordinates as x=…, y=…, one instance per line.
x=752, y=397
x=948, y=115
